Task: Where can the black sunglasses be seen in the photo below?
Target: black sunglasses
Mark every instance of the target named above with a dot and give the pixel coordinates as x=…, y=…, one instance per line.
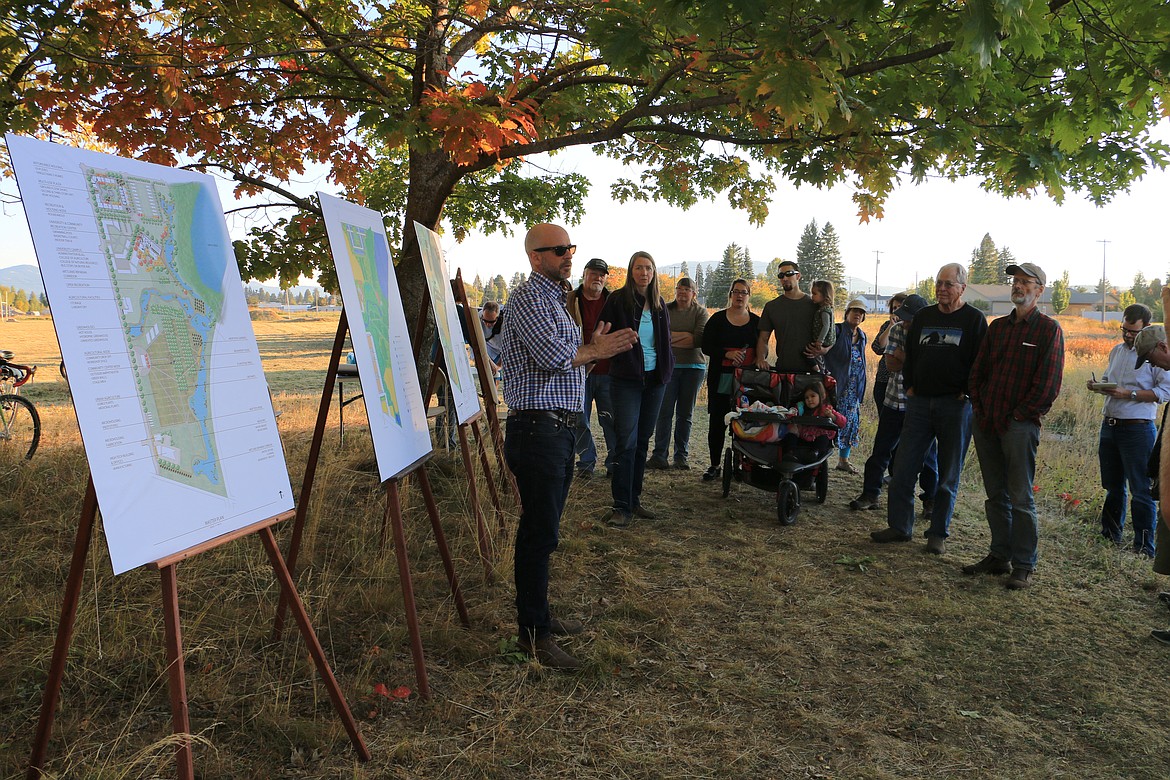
x=785, y=274
x=559, y=251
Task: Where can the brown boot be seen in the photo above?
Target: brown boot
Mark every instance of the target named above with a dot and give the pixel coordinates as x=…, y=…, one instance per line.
x=548, y=652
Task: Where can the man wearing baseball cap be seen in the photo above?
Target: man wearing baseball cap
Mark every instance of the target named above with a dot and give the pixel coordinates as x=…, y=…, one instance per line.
x=584, y=305
x=1150, y=345
x=1014, y=380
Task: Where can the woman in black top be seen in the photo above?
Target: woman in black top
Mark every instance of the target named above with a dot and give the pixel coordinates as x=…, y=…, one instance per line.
x=730, y=341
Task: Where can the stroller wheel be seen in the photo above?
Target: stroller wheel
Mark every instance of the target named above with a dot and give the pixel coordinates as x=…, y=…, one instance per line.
x=728, y=464
x=787, y=502
x=822, y=482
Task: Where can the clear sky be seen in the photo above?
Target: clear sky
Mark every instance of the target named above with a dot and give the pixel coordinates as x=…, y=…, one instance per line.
x=925, y=226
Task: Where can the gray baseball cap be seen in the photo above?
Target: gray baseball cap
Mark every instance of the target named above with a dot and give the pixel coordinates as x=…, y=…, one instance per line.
x=1146, y=341
x=1028, y=269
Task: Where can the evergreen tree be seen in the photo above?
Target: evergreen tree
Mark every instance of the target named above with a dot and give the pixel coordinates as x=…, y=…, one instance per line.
x=832, y=267
x=517, y=280
x=771, y=274
x=701, y=283
x=729, y=269
x=747, y=270
x=808, y=253
x=683, y=270
x=1006, y=258
x=985, y=267
x=1141, y=289
x=1061, y=294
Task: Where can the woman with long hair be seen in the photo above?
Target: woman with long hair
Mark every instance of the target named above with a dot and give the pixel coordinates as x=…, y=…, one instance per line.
x=637, y=380
x=730, y=341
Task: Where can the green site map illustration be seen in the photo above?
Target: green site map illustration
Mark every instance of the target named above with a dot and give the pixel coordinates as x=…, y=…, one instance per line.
x=168, y=291
x=368, y=259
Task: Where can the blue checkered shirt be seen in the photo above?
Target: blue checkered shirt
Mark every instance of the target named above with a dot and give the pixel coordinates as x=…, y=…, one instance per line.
x=540, y=342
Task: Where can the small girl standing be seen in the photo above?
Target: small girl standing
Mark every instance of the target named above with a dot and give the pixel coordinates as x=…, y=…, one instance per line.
x=810, y=443
x=824, y=334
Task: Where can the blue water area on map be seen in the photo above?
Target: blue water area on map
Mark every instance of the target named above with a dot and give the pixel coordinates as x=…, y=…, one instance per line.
x=382, y=263
x=207, y=233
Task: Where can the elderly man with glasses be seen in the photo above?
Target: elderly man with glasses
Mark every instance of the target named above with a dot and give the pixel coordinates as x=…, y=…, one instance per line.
x=1014, y=381
x=1127, y=435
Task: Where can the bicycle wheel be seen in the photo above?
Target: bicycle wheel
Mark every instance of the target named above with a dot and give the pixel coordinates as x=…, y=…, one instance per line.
x=20, y=427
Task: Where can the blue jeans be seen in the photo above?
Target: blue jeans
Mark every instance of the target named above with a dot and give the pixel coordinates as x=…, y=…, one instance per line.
x=635, y=410
x=1008, y=463
x=947, y=420
x=596, y=393
x=885, y=442
x=539, y=452
x=678, y=402
x=1124, y=453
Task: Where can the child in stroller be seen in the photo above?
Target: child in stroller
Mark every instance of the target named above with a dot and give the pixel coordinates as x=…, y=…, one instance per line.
x=810, y=443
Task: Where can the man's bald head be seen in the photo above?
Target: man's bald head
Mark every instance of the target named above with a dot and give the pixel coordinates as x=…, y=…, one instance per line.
x=545, y=234
x=541, y=245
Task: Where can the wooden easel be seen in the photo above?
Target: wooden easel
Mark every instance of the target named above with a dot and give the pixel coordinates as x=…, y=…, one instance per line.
x=393, y=516
x=176, y=677
x=486, y=556
x=487, y=386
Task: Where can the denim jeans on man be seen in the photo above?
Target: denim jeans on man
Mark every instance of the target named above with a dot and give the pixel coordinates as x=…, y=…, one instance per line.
x=596, y=394
x=1008, y=463
x=1124, y=453
x=678, y=403
x=885, y=442
x=635, y=410
x=539, y=452
x=947, y=420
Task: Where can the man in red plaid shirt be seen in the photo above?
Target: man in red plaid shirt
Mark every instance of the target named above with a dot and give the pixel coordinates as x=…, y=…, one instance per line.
x=1015, y=379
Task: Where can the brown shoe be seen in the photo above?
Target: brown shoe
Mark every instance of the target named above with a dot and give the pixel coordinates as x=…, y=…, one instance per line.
x=989, y=565
x=565, y=626
x=1020, y=579
x=887, y=535
x=936, y=545
x=548, y=652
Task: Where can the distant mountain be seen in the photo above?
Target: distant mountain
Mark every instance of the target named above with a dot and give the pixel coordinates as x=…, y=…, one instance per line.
x=22, y=277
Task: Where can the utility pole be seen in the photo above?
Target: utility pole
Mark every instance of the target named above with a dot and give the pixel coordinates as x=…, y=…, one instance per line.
x=1104, y=245
x=877, y=260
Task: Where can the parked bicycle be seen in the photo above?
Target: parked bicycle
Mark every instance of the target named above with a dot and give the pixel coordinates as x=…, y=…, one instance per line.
x=20, y=424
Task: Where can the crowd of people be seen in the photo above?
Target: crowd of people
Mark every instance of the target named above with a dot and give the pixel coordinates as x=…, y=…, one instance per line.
x=945, y=377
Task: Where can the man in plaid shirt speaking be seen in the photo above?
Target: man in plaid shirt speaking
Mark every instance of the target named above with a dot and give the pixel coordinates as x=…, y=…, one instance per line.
x=544, y=388
x=1015, y=379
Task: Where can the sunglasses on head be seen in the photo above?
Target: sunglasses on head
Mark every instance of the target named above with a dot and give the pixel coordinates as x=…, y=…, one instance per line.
x=558, y=250
x=786, y=274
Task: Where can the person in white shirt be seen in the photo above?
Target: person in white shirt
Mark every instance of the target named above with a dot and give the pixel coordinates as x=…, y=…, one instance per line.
x=1127, y=435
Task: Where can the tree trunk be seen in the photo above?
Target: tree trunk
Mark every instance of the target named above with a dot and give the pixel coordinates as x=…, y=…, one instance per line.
x=432, y=178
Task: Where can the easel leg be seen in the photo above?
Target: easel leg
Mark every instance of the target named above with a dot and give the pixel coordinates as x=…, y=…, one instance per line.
x=485, y=551
x=424, y=482
x=487, y=471
x=294, y=546
x=506, y=476
x=176, y=678
x=64, y=632
x=394, y=509
x=315, y=650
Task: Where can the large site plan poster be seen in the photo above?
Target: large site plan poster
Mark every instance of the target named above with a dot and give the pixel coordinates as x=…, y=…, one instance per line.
x=459, y=376
x=377, y=327
x=163, y=365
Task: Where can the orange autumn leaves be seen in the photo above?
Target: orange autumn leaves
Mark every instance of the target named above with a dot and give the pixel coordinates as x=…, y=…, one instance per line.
x=476, y=123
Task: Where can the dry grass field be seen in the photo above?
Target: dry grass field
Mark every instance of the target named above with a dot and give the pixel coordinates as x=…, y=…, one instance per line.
x=719, y=645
